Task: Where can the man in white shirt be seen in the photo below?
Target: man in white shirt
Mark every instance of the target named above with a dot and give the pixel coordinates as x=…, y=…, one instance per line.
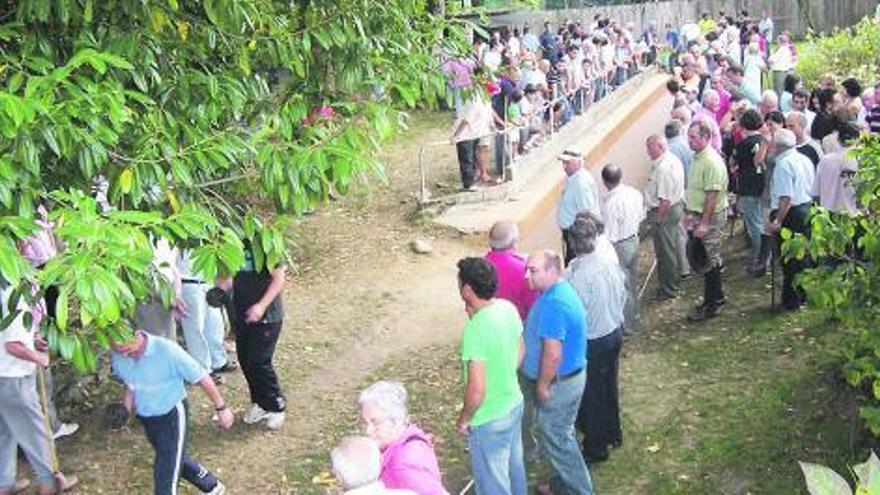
x=578, y=195
x=22, y=420
x=664, y=195
x=834, y=183
x=623, y=213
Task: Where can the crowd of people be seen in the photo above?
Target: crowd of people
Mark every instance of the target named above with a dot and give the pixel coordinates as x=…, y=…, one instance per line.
x=518, y=87
x=541, y=346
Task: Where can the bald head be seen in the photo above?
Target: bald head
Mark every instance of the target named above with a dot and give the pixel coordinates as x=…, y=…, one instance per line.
x=503, y=235
x=611, y=175
x=543, y=269
x=356, y=461
x=683, y=115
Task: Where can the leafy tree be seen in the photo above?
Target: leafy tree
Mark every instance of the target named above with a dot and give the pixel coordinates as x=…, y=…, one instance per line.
x=846, y=284
x=846, y=52
x=188, y=110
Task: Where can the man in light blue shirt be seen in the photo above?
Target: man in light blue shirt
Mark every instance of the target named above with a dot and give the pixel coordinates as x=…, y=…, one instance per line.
x=579, y=194
x=154, y=370
x=790, y=208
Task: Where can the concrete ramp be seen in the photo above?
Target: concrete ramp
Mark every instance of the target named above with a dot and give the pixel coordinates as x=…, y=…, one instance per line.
x=613, y=130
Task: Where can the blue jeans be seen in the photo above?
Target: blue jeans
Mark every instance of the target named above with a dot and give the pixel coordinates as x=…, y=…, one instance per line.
x=555, y=419
x=167, y=436
x=202, y=327
x=753, y=217
x=497, y=455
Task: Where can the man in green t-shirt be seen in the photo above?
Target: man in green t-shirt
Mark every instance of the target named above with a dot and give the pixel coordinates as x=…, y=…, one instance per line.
x=706, y=204
x=491, y=351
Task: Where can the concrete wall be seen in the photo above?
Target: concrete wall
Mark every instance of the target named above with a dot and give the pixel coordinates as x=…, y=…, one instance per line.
x=823, y=14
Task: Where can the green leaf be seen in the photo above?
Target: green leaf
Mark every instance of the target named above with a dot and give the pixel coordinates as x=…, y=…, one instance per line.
x=822, y=480
x=868, y=474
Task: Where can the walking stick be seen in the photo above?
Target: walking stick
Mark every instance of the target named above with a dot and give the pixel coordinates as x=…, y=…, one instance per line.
x=772, y=274
x=50, y=442
x=648, y=278
x=466, y=487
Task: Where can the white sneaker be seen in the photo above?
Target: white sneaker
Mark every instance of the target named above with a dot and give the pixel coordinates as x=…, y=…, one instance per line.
x=218, y=490
x=274, y=420
x=66, y=429
x=255, y=415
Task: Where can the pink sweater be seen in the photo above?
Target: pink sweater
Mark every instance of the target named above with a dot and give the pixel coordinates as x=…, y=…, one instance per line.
x=410, y=463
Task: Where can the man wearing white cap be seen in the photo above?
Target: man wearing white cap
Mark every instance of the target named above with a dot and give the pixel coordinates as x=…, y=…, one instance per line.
x=790, y=207
x=578, y=195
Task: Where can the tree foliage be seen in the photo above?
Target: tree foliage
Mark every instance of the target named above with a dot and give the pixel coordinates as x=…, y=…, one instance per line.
x=846, y=283
x=188, y=109
x=845, y=52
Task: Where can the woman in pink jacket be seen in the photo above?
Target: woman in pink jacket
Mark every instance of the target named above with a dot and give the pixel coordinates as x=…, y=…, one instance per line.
x=408, y=458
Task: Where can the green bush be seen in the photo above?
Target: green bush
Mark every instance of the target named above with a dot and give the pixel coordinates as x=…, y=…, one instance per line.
x=846, y=282
x=848, y=52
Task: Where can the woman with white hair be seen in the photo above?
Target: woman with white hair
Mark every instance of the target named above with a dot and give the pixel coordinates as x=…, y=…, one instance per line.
x=408, y=458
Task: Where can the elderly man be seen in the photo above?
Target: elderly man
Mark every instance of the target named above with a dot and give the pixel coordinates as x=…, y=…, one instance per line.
x=790, y=208
x=510, y=266
x=796, y=122
x=578, y=195
x=706, y=204
x=623, y=212
x=664, y=196
x=769, y=103
x=706, y=113
x=602, y=290
x=22, y=419
x=154, y=370
x=357, y=463
x=553, y=370
x=492, y=410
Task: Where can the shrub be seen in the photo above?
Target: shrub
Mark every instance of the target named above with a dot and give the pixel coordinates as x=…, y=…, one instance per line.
x=845, y=52
x=846, y=283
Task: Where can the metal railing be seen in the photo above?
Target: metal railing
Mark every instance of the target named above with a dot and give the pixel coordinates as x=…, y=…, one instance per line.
x=603, y=79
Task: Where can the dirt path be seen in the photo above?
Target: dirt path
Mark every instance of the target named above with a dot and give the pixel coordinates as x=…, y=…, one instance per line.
x=358, y=296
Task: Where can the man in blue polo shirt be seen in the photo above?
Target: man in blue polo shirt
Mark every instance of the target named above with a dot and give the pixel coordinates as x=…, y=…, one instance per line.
x=553, y=370
x=154, y=370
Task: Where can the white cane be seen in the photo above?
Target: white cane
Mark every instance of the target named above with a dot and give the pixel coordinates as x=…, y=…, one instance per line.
x=648, y=278
x=466, y=487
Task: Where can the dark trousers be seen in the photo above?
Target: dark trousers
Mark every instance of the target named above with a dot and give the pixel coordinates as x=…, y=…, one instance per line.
x=599, y=413
x=167, y=435
x=502, y=154
x=798, y=221
x=467, y=160
x=255, y=345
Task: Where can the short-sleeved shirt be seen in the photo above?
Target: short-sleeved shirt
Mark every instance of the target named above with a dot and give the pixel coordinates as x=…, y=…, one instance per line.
x=622, y=213
x=792, y=177
x=11, y=366
x=751, y=177
x=602, y=288
x=811, y=152
x=833, y=185
x=873, y=117
x=579, y=195
x=248, y=288
x=557, y=314
x=666, y=181
x=492, y=337
x=157, y=377
x=679, y=147
x=707, y=173
x=510, y=267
